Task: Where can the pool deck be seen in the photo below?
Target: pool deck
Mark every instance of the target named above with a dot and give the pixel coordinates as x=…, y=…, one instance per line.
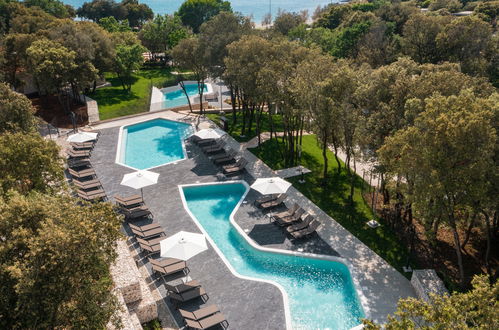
x=246, y=304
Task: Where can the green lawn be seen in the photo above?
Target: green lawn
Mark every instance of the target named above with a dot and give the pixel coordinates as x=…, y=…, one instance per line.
x=333, y=198
x=114, y=102
x=235, y=131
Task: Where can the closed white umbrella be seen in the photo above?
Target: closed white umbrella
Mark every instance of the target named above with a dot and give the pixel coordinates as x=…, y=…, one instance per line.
x=210, y=133
x=82, y=137
x=140, y=179
x=267, y=186
x=183, y=245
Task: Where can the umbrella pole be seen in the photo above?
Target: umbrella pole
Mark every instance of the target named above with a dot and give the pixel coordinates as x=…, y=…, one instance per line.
x=142, y=193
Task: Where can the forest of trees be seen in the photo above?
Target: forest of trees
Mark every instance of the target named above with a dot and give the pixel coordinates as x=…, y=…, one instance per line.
x=413, y=91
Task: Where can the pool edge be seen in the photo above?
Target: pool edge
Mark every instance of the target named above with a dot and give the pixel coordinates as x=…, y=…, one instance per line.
x=360, y=296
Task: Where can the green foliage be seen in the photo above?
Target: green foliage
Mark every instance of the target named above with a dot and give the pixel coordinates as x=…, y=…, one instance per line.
x=368, y=6
x=346, y=40
x=128, y=59
x=110, y=24
x=194, y=13
x=476, y=309
x=53, y=7
x=488, y=11
x=51, y=64
x=16, y=112
x=451, y=5
x=285, y=22
x=162, y=33
x=332, y=18
x=14, y=55
x=29, y=162
x=137, y=13
x=54, y=262
x=333, y=198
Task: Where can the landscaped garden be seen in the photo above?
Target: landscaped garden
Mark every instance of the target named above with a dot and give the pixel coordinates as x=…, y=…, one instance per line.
x=114, y=101
x=333, y=198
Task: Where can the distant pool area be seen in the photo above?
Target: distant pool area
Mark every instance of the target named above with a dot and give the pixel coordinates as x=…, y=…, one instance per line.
x=152, y=143
x=174, y=96
x=318, y=292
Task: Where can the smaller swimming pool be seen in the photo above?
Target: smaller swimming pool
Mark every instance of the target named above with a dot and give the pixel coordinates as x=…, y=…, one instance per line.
x=176, y=98
x=152, y=143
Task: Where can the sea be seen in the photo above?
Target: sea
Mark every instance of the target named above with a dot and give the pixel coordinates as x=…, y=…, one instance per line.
x=257, y=9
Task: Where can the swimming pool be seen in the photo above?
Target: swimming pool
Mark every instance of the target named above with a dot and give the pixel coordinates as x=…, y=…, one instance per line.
x=152, y=143
x=320, y=292
x=177, y=97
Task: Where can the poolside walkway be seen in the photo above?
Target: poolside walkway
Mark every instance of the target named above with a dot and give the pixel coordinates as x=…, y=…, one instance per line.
x=246, y=304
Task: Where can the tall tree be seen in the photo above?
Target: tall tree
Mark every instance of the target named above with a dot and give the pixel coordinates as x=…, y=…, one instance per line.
x=29, y=162
x=162, y=33
x=444, y=158
x=16, y=111
x=476, y=309
x=54, y=262
x=194, y=13
x=128, y=59
x=137, y=13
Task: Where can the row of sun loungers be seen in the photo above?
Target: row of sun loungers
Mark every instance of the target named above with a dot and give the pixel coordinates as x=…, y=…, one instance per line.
x=149, y=237
x=132, y=207
x=220, y=156
x=84, y=178
x=291, y=219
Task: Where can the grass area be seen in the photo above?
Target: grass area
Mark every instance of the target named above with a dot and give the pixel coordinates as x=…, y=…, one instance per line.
x=333, y=198
x=114, y=102
x=235, y=131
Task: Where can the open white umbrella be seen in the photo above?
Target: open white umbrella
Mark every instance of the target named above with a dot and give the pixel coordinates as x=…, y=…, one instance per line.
x=140, y=179
x=183, y=245
x=210, y=133
x=82, y=137
x=267, y=186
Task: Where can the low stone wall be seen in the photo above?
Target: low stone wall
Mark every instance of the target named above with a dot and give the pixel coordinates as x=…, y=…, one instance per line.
x=92, y=110
x=138, y=303
x=426, y=281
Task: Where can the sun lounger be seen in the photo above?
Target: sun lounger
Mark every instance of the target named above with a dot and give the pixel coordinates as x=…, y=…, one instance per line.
x=300, y=225
x=289, y=220
x=75, y=163
x=312, y=227
x=265, y=199
x=236, y=168
x=92, y=194
x=136, y=212
x=288, y=212
x=201, y=142
x=94, y=183
x=225, y=154
x=207, y=322
x=150, y=246
x=82, y=146
x=274, y=203
x=128, y=201
x=195, y=293
x=200, y=313
x=88, y=172
x=230, y=158
x=78, y=153
x=169, y=266
x=147, y=231
x=218, y=147
x=183, y=287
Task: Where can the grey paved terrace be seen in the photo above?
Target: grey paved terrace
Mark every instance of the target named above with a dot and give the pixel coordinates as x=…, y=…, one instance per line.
x=246, y=304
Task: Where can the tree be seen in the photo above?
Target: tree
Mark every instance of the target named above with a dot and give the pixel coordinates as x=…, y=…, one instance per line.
x=29, y=162
x=188, y=54
x=52, y=66
x=128, y=59
x=137, y=13
x=285, y=22
x=54, y=262
x=13, y=49
x=451, y=5
x=28, y=20
x=162, y=33
x=16, y=111
x=444, y=158
x=110, y=24
x=53, y=7
x=476, y=309
x=419, y=37
x=194, y=13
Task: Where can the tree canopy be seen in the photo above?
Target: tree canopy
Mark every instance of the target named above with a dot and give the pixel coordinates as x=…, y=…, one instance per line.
x=194, y=13
x=16, y=111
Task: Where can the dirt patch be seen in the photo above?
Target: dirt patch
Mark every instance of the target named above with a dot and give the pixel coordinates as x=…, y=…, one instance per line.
x=441, y=255
x=50, y=109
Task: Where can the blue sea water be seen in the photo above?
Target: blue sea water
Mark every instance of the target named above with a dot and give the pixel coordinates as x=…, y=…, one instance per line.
x=321, y=293
x=177, y=98
x=256, y=8
x=153, y=143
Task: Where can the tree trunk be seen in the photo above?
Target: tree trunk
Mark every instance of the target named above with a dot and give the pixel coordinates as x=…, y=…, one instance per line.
x=94, y=87
x=251, y=118
x=335, y=148
x=271, y=119
x=457, y=246
x=201, y=92
x=233, y=102
x=182, y=85
x=487, y=251
x=324, y=157
x=258, y=121
x=468, y=231
x=352, y=181
x=245, y=110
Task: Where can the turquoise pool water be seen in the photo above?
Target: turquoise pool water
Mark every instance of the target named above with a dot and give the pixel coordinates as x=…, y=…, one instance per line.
x=321, y=293
x=153, y=143
x=177, y=98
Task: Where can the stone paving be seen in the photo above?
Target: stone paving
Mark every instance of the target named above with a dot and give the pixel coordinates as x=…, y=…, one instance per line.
x=246, y=304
